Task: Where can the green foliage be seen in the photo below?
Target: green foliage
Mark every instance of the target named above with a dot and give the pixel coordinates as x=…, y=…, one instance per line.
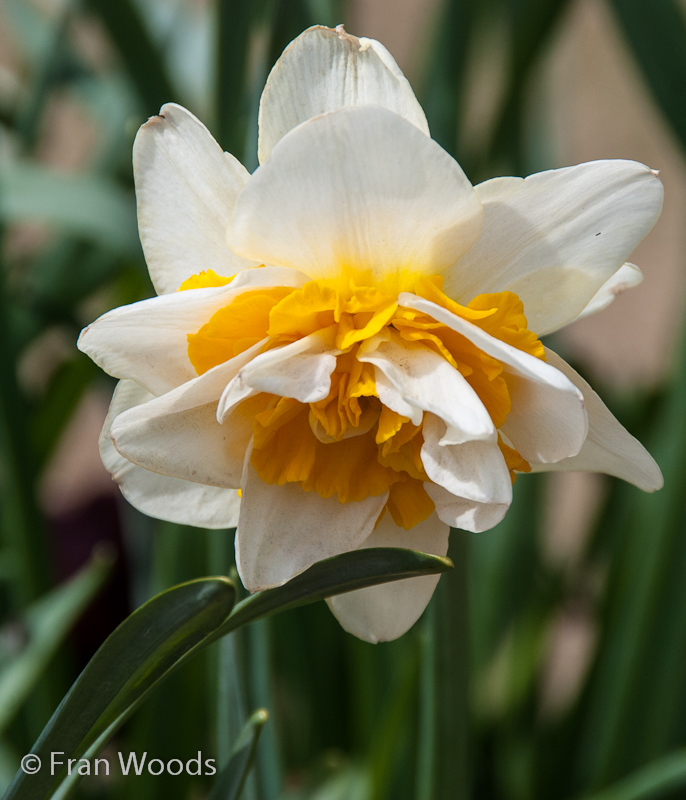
x=441, y=714
x=231, y=780
x=144, y=648
x=44, y=624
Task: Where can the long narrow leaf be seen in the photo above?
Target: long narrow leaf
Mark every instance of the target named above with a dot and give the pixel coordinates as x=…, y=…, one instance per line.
x=231, y=780
x=656, y=780
x=332, y=576
x=145, y=647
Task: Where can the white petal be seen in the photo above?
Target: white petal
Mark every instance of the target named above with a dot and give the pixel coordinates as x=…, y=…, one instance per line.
x=186, y=188
x=425, y=380
x=359, y=189
x=178, y=435
x=469, y=515
x=554, y=238
x=383, y=613
x=157, y=495
x=324, y=70
x=393, y=399
x=147, y=341
x=609, y=447
x=301, y=370
x=473, y=470
x=626, y=277
x=283, y=530
x=547, y=421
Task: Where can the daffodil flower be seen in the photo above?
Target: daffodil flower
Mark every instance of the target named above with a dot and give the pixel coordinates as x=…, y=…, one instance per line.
x=348, y=338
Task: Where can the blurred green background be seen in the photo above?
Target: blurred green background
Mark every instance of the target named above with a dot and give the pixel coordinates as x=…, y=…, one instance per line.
x=576, y=603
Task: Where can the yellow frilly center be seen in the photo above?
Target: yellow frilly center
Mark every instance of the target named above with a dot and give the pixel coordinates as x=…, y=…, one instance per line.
x=349, y=444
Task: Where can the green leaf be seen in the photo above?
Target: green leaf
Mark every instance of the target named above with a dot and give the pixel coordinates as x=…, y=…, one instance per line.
x=231, y=779
x=142, y=58
x=160, y=634
x=336, y=575
x=143, y=649
x=85, y=205
x=632, y=707
x=269, y=769
x=9, y=762
x=655, y=780
x=531, y=24
x=656, y=32
x=45, y=624
x=21, y=520
x=236, y=25
x=444, y=757
x=444, y=82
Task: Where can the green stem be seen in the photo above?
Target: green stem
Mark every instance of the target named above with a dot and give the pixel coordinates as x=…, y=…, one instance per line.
x=231, y=705
x=268, y=758
x=443, y=770
x=229, y=668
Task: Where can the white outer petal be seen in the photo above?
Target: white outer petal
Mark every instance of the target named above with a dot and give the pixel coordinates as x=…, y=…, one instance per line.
x=359, y=189
x=178, y=435
x=469, y=515
x=426, y=381
x=158, y=495
x=609, y=447
x=147, y=341
x=283, y=530
x=186, y=188
x=473, y=470
x=555, y=237
x=383, y=613
x=547, y=421
x=626, y=277
x=325, y=69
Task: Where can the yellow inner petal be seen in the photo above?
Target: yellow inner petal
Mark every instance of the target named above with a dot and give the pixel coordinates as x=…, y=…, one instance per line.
x=204, y=280
x=349, y=444
x=234, y=328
